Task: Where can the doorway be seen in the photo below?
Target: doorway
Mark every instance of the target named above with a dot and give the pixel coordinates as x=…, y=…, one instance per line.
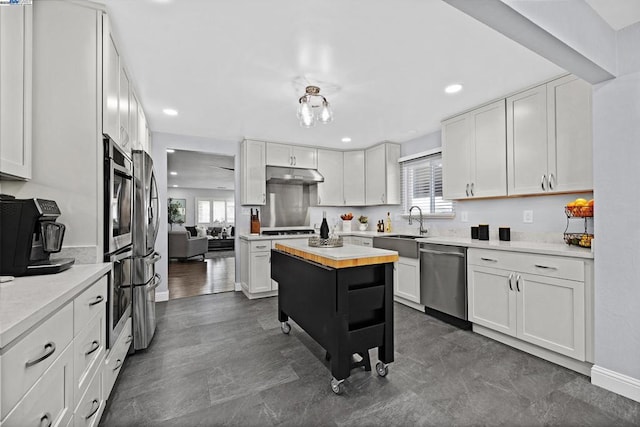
x=201, y=205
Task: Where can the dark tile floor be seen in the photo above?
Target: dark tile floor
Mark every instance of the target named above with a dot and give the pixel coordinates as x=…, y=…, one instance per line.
x=222, y=360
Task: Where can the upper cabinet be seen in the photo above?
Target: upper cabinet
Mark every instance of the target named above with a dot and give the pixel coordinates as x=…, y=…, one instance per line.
x=353, y=175
x=330, y=166
x=382, y=175
x=291, y=156
x=473, y=153
x=253, y=185
x=549, y=143
x=15, y=86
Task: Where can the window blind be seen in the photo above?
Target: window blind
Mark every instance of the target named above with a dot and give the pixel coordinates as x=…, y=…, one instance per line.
x=421, y=184
x=204, y=212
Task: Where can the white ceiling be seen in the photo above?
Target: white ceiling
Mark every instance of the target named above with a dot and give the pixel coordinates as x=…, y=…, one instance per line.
x=617, y=13
x=235, y=68
x=200, y=170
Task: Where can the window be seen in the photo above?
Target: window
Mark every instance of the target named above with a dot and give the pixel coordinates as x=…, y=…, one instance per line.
x=212, y=211
x=421, y=184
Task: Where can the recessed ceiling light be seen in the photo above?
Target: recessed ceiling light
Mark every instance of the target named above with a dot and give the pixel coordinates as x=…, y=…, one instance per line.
x=173, y=173
x=453, y=88
x=346, y=139
x=170, y=150
x=170, y=112
x=174, y=185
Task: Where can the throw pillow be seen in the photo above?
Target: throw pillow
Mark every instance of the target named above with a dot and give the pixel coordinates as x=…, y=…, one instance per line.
x=192, y=230
x=201, y=231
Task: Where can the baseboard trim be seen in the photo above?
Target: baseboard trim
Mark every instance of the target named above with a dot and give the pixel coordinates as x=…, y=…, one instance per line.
x=162, y=296
x=616, y=382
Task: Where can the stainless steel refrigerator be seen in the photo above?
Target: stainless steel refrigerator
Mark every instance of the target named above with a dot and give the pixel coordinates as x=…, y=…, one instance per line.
x=145, y=280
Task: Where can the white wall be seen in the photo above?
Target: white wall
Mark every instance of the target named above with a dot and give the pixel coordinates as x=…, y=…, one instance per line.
x=190, y=195
x=162, y=141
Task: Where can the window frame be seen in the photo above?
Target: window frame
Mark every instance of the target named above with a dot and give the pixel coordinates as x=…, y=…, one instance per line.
x=212, y=201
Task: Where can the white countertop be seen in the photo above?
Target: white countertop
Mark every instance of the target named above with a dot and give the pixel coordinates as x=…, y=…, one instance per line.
x=26, y=301
x=305, y=236
x=345, y=252
x=560, y=249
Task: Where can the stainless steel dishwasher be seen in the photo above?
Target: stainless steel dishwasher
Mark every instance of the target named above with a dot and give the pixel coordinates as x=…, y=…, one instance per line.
x=443, y=282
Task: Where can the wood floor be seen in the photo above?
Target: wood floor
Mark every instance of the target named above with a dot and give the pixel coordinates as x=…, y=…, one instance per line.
x=196, y=277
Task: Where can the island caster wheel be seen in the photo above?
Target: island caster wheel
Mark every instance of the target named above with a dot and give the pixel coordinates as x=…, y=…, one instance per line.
x=337, y=386
x=382, y=369
x=286, y=327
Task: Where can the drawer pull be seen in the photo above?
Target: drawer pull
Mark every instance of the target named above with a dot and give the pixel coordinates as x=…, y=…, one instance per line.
x=49, y=349
x=46, y=417
x=546, y=267
x=261, y=246
x=489, y=259
x=95, y=405
x=118, y=364
x=94, y=346
x=98, y=300
x=129, y=339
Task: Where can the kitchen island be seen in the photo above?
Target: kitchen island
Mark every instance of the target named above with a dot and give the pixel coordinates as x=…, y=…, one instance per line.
x=342, y=297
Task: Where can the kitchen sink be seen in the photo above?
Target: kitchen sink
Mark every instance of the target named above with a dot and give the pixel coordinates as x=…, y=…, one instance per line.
x=404, y=244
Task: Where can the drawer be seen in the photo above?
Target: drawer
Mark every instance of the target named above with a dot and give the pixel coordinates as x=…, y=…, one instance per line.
x=115, y=359
x=49, y=402
x=88, y=353
x=542, y=265
x=88, y=303
x=26, y=361
x=260, y=246
x=91, y=404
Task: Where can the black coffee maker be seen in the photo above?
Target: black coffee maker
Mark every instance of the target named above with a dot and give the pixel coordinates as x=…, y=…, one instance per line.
x=29, y=234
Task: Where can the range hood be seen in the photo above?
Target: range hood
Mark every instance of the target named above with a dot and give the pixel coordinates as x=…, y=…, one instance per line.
x=280, y=175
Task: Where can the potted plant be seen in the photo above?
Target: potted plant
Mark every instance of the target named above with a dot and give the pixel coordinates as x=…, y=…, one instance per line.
x=175, y=213
x=364, y=222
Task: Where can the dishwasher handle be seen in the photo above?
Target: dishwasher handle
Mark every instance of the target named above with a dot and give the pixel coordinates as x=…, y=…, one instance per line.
x=430, y=251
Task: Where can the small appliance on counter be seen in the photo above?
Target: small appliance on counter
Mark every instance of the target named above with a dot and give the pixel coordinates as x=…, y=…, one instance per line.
x=29, y=234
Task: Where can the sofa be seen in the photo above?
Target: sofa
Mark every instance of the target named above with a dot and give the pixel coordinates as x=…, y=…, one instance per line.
x=182, y=245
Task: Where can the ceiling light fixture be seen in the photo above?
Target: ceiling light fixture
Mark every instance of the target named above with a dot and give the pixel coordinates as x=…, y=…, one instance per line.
x=174, y=185
x=346, y=139
x=173, y=173
x=310, y=100
x=170, y=112
x=453, y=88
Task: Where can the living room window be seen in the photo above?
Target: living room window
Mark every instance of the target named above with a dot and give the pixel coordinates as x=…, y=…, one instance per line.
x=213, y=211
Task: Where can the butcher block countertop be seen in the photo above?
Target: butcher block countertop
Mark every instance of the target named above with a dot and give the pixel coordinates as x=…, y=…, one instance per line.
x=342, y=257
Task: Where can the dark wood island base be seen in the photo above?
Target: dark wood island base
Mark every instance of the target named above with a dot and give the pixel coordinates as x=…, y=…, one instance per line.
x=346, y=310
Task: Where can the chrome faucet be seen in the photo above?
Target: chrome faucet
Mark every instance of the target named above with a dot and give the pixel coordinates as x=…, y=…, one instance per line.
x=422, y=230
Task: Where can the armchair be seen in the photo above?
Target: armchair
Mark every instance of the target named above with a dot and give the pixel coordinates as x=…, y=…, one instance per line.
x=183, y=246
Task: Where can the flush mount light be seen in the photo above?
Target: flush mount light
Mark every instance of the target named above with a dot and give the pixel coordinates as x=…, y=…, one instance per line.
x=170, y=150
x=346, y=139
x=453, y=88
x=313, y=100
x=170, y=112
x=173, y=173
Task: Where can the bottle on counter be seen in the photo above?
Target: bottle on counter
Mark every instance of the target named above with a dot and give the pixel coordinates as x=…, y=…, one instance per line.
x=255, y=222
x=388, y=227
x=324, y=227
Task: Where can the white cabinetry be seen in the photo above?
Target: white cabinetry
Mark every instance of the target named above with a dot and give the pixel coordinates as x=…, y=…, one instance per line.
x=330, y=166
x=406, y=279
x=123, y=109
x=110, y=84
x=291, y=156
x=540, y=299
x=361, y=241
x=353, y=177
x=256, y=268
x=473, y=153
x=135, y=142
x=382, y=175
x=115, y=359
x=253, y=185
x=15, y=86
x=549, y=146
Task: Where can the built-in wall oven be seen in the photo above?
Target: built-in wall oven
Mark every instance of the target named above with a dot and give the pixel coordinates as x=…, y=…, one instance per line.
x=120, y=294
x=118, y=202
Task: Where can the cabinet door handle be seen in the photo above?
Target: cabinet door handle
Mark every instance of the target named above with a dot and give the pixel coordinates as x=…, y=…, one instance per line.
x=518, y=278
x=472, y=185
x=295, y=161
x=49, y=349
x=291, y=160
x=129, y=339
x=543, y=181
x=264, y=198
x=98, y=300
x=46, y=417
x=546, y=267
x=509, y=280
x=118, y=364
x=95, y=405
x=319, y=200
x=94, y=346
x=489, y=259
x=467, y=190
x=552, y=180
x=382, y=197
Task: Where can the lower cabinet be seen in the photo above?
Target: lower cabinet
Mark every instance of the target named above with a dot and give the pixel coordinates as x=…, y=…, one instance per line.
x=406, y=279
x=549, y=309
x=255, y=269
x=115, y=359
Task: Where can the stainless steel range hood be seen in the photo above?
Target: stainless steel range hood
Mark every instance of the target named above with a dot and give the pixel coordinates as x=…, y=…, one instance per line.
x=280, y=175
